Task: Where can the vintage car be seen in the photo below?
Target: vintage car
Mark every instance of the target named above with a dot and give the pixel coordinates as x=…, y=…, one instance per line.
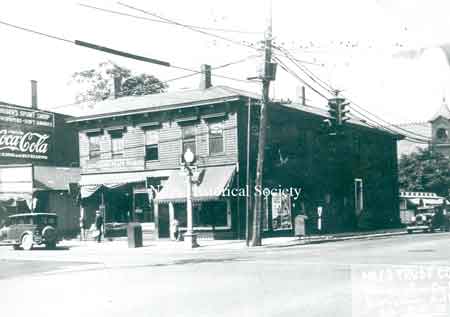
x=423, y=221
x=26, y=230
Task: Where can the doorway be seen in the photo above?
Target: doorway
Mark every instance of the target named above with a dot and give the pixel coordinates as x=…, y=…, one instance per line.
x=163, y=221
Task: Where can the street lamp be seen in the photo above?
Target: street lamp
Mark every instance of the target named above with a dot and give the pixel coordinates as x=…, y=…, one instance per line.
x=189, y=237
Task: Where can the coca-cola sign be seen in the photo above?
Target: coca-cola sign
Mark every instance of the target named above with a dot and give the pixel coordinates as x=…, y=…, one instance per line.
x=24, y=144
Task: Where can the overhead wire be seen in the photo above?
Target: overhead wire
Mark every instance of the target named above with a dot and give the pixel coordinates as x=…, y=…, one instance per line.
x=288, y=70
x=196, y=72
x=187, y=26
x=324, y=85
x=165, y=22
x=315, y=78
x=284, y=66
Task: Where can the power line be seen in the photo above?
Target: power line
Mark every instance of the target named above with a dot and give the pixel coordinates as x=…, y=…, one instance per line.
x=165, y=22
x=113, y=51
x=187, y=26
x=391, y=124
x=194, y=72
x=288, y=70
x=312, y=76
x=37, y=32
x=410, y=138
x=325, y=85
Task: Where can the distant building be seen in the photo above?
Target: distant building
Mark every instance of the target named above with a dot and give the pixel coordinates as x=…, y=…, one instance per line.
x=437, y=130
x=38, y=160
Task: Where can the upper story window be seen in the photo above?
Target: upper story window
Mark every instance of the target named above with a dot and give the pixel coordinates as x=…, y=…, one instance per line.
x=117, y=145
x=188, y=138
x=151, y=145
x=216, y=143
x=94, y=146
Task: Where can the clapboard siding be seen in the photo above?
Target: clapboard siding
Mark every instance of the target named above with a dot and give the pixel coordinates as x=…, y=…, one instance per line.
x=170, y=141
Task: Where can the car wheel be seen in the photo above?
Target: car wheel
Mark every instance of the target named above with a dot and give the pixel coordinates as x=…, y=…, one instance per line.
x=409, y=231
x=27, y=242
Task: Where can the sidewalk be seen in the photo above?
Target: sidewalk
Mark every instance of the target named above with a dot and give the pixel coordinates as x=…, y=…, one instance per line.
x=273, y=242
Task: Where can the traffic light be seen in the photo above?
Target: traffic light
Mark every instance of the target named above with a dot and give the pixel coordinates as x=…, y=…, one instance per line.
x=338, y=115
x=337, y=111
x=344, y=112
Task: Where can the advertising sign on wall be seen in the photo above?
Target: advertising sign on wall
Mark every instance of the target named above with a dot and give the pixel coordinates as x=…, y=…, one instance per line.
x=281, y=211
x=25, y=134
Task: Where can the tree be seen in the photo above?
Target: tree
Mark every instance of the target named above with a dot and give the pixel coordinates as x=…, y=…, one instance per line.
x=97, y=84
x=425, y=170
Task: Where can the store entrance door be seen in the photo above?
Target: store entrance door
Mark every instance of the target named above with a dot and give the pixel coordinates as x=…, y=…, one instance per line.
x=163, y=221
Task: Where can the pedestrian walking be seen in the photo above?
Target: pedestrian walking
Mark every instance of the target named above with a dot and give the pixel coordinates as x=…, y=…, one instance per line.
x=99, y=225
x=176, y=229
x=83, y=228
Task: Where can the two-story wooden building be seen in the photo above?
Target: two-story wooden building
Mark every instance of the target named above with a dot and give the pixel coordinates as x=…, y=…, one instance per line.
x=131, y=149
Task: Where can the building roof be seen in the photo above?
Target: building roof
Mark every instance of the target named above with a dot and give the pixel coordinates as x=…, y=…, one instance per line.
x=179, y=99
x=420, y=129
x=443, y=112
x=155, y=102
x=352, y=120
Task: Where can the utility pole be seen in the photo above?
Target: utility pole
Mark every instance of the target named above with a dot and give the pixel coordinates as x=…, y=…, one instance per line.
x=268, y=75
x=248, y=202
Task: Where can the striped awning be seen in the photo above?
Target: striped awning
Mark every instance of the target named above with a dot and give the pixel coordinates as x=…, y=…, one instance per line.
x=212, y=181
x=91, y=183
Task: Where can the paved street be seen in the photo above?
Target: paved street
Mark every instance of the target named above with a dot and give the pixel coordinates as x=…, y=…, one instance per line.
x=397, y=276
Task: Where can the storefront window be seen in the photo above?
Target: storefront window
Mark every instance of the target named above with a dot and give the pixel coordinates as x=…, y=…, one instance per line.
x=180, y=214
x=143, y=208
x=205, y=214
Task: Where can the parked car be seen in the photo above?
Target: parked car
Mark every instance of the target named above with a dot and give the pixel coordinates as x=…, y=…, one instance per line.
x=30, y=229
x=424, y=221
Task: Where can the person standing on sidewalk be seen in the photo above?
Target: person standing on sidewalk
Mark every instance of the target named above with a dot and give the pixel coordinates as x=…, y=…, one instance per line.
x=99, y=225
x=83, y=228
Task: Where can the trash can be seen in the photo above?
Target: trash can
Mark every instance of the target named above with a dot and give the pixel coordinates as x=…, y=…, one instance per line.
x=134, y=231
x=300, y=228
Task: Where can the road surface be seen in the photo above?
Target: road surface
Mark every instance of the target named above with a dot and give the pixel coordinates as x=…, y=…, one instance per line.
x=397, y=276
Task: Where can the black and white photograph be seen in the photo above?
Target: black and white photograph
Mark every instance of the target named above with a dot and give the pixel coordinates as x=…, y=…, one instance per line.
x=225, y=158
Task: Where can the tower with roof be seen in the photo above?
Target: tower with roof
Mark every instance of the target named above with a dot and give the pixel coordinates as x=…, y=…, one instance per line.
x=440, y=129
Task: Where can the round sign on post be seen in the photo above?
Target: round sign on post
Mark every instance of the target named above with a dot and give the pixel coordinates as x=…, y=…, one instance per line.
x=189, y=156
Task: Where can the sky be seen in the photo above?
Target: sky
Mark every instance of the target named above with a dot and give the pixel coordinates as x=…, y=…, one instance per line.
x=384, y=55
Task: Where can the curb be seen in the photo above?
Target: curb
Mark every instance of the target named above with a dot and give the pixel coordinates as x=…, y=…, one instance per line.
x=306, y=241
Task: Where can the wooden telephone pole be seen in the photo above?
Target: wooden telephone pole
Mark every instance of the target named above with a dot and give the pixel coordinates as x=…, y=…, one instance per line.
x=268, y=75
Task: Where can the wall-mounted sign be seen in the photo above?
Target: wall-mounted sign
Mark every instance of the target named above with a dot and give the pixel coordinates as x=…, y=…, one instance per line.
x=24, y=144
x=114, y=165
x=281, y=211
x=18, y=116
x=25, y=133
